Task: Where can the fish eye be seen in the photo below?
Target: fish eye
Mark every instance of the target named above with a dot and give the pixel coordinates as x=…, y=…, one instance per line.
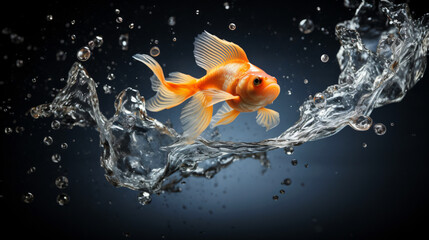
x=257, y=81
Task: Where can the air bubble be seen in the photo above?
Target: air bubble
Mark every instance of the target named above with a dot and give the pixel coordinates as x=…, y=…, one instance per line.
x=111, y=76
x=84, y=54
x=98, y=40
x=49, y=18
x=8, y=130
x=232, y=26
x=171, y=21
x=119, y=20
x=64, y=145
x=275, y=197
x=154, y=51
x=19, y=63
x=28, y=197
x=306, y=26
x=288, y=150
x=144, y=198
x=226, y=5
x=362, y=123
x=379, y=129
x=319, y=100
x=55, y=124
x=287, y=181
x=48, y=140
x=294, y=162
x=324, y=58
x=63, y=199
x=56, y=158
x=62, y=182
x=123, y=41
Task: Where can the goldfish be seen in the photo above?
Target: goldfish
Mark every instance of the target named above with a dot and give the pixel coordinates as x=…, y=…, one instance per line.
x=230, y=78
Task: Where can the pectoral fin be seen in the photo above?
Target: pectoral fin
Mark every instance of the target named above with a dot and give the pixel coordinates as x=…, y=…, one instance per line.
x=268, y=118
x=225, y=115
x=196, y=115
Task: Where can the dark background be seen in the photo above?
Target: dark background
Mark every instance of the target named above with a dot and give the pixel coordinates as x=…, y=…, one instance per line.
x=346, y=191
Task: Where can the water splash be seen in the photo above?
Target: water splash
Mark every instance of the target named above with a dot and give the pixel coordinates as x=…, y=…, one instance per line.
x=382, y=56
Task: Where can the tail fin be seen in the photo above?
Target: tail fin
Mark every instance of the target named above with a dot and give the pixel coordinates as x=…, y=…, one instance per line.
x=169, y=93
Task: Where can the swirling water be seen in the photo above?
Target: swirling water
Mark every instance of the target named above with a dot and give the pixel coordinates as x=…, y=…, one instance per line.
x=382, y=55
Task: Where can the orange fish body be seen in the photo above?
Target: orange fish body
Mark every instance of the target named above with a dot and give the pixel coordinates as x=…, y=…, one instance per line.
x=230, y=77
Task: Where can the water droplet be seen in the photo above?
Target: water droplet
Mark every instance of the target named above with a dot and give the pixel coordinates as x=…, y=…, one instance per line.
x=55, y=124
x=63, y=199
x=306, y=81
x=91, y=44
x=319, y=100
x=287, y=181
x=123, y=41
x=324, y=58
x=364, y=145
x=8, y=130
x=172, y=21
x=110, y=76
x=306, y=26
x=119, y=20
x=19, y=129
x=98, y=40
x=107, y=89
x=64, y=145
x=62, y=182
x=49, y=18
x=144, y=198
x=31, y=170
x=56, y=158
x=362, y=123
x=61, y=55
x=379, y=129
x=288, y=150
x=282, y=191
x=154, y=51
x=19, y=63
x=48, y=140
x=232, y=26
x=28, y=197
x=294, y=162
x=84, y=54
x=275, y=197
x=226, y=5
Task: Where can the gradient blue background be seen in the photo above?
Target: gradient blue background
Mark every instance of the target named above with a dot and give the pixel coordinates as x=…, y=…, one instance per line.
x=346, y=191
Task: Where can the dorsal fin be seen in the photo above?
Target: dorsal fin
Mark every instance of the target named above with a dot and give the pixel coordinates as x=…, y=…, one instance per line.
x=210, y=51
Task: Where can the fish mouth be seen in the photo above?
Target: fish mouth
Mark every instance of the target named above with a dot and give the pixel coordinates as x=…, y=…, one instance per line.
x=272, y=90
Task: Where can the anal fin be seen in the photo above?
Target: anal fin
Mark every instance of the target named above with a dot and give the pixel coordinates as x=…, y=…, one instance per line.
x=225, y=115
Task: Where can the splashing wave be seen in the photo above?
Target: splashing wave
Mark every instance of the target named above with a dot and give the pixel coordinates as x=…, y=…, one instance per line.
x=382, y=55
